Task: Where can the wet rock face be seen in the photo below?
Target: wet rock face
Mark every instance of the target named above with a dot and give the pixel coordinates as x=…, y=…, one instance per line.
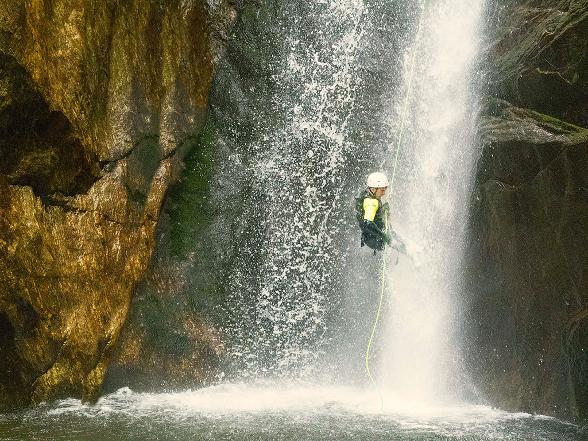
x=540, y=57
x=169, y=341
x=528, y=258
x=96, y=102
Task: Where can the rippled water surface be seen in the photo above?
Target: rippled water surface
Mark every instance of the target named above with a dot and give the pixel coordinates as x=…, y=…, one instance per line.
x=239, y=412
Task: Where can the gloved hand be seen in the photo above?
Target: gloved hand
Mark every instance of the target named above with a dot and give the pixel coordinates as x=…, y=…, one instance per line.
x=395, y=242
x=400, y=247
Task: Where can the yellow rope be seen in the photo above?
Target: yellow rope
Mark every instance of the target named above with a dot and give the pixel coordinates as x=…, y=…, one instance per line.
x=398, y=144
x=378, y=313
x=404, y=113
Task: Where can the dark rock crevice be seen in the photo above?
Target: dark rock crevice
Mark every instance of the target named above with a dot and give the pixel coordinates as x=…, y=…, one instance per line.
x=577, y=358
x=10, y=365
x=37, y=145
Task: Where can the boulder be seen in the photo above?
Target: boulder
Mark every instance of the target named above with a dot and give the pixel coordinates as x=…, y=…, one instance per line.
x=527, y=256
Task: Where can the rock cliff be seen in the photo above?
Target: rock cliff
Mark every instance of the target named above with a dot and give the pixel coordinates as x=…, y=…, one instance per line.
x=527, y=326
x=97, y=100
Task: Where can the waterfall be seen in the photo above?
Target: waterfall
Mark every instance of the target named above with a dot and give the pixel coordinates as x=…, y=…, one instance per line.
x=299, y=159
x=430, y=203
x=304, y=122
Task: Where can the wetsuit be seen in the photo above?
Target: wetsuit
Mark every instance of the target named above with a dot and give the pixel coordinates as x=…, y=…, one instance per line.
x=371, y=213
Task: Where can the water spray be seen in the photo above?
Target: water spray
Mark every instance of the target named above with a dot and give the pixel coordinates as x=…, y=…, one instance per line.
x=403, y=117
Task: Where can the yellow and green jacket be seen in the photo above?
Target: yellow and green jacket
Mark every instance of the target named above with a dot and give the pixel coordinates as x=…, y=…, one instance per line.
x=371, y=215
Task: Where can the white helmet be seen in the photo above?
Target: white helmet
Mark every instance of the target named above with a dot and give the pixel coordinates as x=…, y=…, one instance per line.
x=377, y=180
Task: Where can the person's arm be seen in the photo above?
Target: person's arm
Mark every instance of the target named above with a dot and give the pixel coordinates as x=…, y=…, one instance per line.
x=370, y=227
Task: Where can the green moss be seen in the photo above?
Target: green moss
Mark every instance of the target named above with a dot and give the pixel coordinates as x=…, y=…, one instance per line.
x=556, y=124
x=162, y=324
x=190, y=209
x=575, y=134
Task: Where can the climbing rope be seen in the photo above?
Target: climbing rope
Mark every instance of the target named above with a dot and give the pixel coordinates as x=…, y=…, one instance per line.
x=403, y=117
x=376, y=320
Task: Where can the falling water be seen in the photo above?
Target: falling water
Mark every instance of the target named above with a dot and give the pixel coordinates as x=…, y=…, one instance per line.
x=301, y=163
x=299, y=166
x=429, y=201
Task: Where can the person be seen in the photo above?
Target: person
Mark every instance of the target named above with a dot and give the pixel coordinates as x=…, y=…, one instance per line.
x=372, y=215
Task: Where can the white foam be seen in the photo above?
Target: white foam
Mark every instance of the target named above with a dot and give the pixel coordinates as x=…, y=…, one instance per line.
x=227, y=399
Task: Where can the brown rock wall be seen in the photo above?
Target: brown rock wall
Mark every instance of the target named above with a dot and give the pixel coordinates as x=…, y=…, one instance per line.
x=96, y=99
